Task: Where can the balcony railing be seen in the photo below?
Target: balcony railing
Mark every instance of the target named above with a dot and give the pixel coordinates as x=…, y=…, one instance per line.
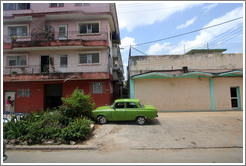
x=37, y=69
x=56, y=39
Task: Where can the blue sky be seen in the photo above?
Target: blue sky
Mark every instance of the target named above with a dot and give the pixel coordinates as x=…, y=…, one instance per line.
x=146, y=21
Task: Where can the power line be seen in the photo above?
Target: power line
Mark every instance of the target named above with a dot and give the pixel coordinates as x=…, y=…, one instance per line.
x=188, y=32
x=139, y=51
x=221, y=37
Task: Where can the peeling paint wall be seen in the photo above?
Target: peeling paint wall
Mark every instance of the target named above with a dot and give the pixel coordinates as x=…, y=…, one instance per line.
x=34, y=60
x=143, y=64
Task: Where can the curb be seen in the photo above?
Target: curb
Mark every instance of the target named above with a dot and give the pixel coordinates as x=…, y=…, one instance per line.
x=51, y=147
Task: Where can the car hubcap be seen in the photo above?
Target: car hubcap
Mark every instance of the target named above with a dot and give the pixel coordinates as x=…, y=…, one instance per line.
x=141, y=120
x=103, y=120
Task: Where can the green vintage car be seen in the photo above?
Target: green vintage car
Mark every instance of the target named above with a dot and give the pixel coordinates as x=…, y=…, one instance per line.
x=123, y=110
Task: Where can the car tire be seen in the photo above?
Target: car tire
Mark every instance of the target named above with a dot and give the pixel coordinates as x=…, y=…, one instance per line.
x=140, y=120
x=101, y=119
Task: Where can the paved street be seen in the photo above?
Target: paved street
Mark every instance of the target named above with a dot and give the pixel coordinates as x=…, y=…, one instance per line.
x=189, y=137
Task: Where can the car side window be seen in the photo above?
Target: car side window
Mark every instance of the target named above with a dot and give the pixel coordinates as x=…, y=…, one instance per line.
x=119, y=105
x=131, y=105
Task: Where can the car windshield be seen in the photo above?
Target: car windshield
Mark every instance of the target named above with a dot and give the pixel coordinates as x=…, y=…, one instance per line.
x=112, y=105
x=141, y=105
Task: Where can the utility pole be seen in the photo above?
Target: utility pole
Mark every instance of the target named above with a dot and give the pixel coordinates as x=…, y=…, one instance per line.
x=207, y=48
x=184, y=48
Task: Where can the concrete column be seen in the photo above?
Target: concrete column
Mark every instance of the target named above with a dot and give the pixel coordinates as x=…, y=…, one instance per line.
x=211, y=83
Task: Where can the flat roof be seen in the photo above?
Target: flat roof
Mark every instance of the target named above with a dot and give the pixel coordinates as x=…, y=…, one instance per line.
x=197, y=51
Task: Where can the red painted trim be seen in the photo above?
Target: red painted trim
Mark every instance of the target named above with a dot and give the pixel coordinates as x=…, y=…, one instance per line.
x=55, y=43
x=59, y=12
x=56, y=77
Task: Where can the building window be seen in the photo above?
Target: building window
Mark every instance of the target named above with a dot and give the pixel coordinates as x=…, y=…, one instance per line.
x=97, y=88
x=63, y=61
x=88, y=28
x=235, y=98
x=16, y=6
x=81, y=4
x=63, y=32
x=56, y=4
x=17, y=60
x=23, y=92
x=18, y=31
x=88, y=58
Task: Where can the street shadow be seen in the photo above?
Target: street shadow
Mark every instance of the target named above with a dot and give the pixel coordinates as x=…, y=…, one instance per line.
x=147, y=122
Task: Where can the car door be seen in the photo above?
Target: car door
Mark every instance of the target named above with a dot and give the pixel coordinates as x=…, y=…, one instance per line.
x=119, y=111
x=132, y=111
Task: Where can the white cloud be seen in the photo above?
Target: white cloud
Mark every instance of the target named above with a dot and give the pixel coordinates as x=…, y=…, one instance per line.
x=127, y=41
x=158, y=48
x=209, y=7
x=188, y=23
x=204, y=36
x=132, y=15
x=125, y=44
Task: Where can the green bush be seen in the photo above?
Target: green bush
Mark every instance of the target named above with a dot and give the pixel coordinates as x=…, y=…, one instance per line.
x=78, y=105
x=79, y=129
x=45, y=125
x=71, y=123
x=39, y=126
x=14, y=130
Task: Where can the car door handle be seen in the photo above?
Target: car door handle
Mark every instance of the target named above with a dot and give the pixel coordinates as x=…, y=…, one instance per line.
x=123, y=110
x=137, y=110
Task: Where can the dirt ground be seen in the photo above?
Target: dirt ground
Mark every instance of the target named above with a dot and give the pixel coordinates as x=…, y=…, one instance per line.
x=173, y=131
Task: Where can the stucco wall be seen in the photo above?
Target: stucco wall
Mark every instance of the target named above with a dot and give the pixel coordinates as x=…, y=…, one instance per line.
x=174, y=94
x=44, y=7
x=222, y=92
x=195, y=62
x=34, y=61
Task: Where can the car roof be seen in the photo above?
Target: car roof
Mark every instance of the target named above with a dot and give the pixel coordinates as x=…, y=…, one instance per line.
x=127, y=100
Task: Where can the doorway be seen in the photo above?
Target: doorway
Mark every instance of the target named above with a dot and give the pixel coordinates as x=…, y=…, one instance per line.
x=44, y=64
x=12, y=95
x=53, y=94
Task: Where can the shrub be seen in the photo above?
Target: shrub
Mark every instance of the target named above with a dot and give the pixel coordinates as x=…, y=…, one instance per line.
x=46, y=125
x=14, y=130
x=78, y=105
x=79, y=129
x=62, y=126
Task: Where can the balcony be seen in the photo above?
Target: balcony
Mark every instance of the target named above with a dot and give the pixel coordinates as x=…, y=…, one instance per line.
x=48, y=72
x=44, y=39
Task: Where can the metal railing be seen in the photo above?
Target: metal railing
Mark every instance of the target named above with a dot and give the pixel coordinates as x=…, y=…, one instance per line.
x=35, y=69
x=37, y=37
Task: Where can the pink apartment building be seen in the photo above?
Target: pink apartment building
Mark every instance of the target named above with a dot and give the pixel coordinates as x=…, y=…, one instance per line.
x=50, y=49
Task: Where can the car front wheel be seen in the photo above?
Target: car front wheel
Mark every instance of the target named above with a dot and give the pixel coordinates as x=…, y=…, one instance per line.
x=140, y=120
x=101, y=119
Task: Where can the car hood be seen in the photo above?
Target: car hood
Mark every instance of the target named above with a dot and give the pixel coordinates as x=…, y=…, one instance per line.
x=103, y=108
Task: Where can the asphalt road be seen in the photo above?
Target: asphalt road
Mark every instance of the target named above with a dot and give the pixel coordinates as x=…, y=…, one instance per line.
x=192, y=137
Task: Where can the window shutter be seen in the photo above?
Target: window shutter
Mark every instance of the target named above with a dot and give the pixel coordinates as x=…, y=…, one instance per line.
x=82, y=58
x=95, y=28
x=95, y=58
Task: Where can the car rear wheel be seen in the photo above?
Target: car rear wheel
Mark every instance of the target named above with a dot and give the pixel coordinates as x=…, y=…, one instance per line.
x=101, y=119
x=140, y=120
